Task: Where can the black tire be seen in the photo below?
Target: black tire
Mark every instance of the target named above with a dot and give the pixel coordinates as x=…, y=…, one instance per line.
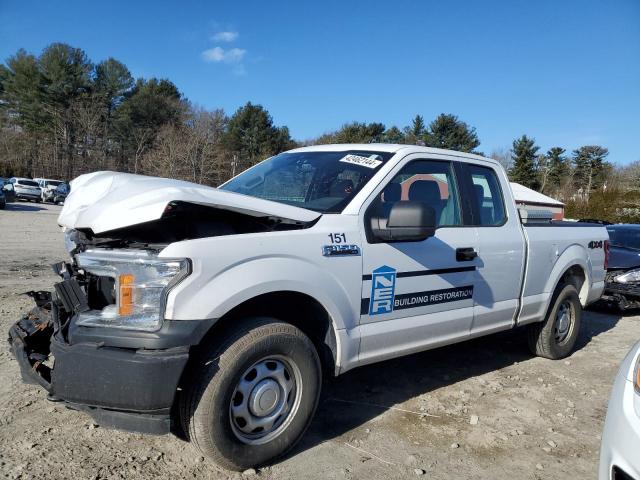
x=212, y=385
x=546, y=338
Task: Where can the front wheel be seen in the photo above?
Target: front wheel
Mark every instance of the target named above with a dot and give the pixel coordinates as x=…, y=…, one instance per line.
x=556, y=336
x=251, y=397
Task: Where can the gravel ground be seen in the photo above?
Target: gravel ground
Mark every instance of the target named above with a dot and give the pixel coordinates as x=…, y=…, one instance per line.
x=481, y=409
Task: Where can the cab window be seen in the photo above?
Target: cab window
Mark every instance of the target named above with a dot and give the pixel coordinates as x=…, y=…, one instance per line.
x=487, y=196
x=430, y=182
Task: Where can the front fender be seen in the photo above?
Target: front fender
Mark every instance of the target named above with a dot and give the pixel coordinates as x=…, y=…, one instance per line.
x=212, y=297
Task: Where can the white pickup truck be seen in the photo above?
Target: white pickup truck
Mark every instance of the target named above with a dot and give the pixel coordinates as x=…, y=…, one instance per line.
x=217, y=312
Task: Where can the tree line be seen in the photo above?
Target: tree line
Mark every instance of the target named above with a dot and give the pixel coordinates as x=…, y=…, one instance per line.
x=589, y=185
x=62, y=115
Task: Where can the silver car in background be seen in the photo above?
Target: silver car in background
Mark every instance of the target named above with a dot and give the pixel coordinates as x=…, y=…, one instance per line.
x=26, y=189
x=620, y=450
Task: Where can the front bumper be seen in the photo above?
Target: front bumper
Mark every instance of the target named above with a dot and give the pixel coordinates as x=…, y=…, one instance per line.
x=626, y=295
x=123, y=379
x=628, y=289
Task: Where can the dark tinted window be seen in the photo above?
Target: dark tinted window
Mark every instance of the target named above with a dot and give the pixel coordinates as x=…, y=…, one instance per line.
x=487, y=196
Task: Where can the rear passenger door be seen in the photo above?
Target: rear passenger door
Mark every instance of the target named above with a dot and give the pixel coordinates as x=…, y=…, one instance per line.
x=500, y=250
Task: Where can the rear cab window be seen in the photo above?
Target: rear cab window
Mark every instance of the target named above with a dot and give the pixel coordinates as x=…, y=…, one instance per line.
x=486, y=196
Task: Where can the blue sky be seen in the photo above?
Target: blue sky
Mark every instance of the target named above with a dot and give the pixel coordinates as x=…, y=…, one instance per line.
x=565, y=72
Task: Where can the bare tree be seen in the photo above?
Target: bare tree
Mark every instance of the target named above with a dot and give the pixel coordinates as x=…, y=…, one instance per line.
x=504, y=157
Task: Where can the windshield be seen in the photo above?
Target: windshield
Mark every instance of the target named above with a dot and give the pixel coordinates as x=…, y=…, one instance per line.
x=28, y=183
x=321, y=181
x=624, y=237
x=52, y=183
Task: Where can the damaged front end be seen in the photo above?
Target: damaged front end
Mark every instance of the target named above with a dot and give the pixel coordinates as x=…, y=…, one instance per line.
x=30, y=339
x=622, y=288
x=97, y=350
x=100, y=342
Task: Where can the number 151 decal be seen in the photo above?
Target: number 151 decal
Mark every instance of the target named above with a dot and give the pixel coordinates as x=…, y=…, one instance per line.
x=338, y=238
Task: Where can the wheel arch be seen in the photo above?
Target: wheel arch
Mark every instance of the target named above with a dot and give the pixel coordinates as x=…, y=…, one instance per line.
x=296, y=308
x=571, y=267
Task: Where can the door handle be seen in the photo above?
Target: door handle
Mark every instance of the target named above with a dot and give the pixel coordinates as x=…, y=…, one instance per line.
x=465, y=254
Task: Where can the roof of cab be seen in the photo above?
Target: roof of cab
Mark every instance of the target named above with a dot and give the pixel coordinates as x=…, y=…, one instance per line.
x=392, y=148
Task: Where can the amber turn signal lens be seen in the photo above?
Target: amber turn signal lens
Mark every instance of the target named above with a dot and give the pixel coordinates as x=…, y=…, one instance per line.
x=126, y=294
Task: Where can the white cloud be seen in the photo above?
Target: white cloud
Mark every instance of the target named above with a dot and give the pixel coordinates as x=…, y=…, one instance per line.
x=219, y=54
x=213, y=54
x=225, y=37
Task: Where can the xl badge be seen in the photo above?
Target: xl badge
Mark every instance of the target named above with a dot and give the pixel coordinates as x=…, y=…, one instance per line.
x=383, y=285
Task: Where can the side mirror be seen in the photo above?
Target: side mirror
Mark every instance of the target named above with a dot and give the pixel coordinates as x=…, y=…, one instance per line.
x=407, y=222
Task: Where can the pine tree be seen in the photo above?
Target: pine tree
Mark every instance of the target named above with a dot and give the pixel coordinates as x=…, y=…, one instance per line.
x=414, y=133
x=524, y=154
x=417, y=126
x=590, y=168
x=447, y=131
x=558, y=167
x=252, y=137
x=393, y=135
x=147, y=107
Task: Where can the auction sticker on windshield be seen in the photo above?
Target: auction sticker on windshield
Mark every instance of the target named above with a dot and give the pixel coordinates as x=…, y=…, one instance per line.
x=362, y=161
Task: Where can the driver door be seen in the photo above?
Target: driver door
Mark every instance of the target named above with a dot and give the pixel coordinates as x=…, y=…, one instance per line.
x=417, y=295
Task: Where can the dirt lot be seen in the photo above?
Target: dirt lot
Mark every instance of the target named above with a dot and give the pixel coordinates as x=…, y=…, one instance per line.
x=481, y=409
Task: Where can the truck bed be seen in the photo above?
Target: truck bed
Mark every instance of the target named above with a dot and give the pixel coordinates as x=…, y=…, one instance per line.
x=549, y=252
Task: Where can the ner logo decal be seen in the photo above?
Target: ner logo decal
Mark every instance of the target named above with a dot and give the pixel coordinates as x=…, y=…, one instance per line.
x=383, y=284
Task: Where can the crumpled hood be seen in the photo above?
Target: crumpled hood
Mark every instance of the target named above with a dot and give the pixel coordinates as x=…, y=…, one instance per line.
x=104, y=201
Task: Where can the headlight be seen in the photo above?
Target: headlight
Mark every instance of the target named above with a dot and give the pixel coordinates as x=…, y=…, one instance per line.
x=70, y=240
x=141, y=281
x=628, y=277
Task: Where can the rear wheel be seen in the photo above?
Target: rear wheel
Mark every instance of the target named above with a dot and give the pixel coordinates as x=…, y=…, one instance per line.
x=556, y=336
x=250, y=398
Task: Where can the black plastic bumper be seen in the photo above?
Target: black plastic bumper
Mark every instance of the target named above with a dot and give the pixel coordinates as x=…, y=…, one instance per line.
x=626, y=289
x=130, y=388
x=623, y=295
